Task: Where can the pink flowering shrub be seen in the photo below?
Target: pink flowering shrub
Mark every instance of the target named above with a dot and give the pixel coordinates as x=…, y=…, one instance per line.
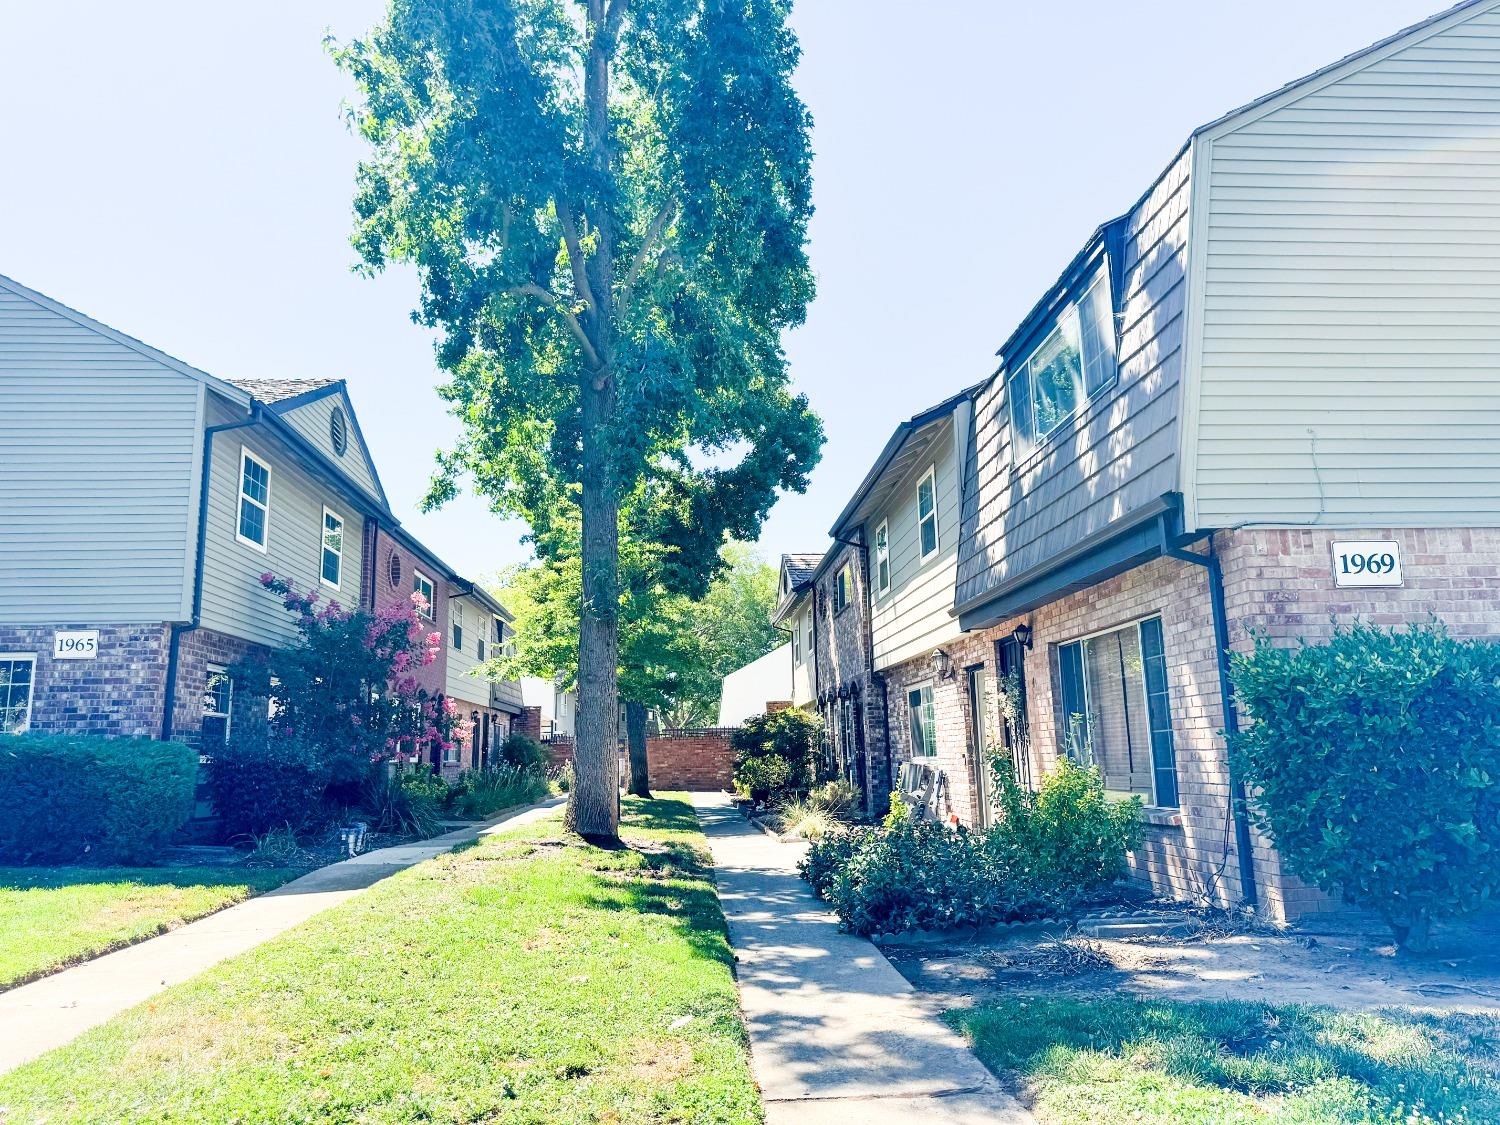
x=348, y=687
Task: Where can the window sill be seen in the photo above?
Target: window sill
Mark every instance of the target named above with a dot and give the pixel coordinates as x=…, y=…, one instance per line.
x=1159, y=817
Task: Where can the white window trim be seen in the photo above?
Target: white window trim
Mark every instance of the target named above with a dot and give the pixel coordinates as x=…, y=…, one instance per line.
x=916, y=689
x=937, y=532
x=797, y=640
x=323, y=548
x=228, y=716
x=883, y=554
x=241, y=499
x=30, y=658
x=431, y=613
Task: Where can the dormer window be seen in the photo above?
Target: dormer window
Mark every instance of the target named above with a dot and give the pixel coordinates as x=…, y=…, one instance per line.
x=1074, y=360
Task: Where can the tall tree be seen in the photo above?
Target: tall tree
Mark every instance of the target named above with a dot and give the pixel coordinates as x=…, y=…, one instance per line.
x=607, y=202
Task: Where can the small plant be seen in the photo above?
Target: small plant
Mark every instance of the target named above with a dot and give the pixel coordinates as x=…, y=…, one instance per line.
x=1375, y=759
x=562, y=777
x=277, y=848
x=807, y=820
x=775, y=756
x=406, y=803
x=482, y=793
x=898, y=812
x=836, y=798
x=524, y=751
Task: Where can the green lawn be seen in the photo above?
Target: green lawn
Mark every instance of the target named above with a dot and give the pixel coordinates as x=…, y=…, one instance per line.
x=1145, y=1061
x=52, y=917
x=529, y=978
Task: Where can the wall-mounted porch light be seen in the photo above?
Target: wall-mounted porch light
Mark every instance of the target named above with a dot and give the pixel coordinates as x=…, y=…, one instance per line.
x=1022, y=635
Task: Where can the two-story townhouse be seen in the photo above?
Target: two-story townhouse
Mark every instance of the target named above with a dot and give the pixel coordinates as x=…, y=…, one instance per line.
x=141, y=501
x=849, y=698
x=794, y=614
x=1262, y=398
x=477, y=632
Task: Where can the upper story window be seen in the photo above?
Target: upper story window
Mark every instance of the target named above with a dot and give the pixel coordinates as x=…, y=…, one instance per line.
x=255, y=500
x=927, y=521
x=797, y=640
x=17, y=672
x=841, y=588
x=458, y=636
x=1115, y=710
x=1074, y=361
x=333, y=548
x=421, y=584
x=479, y=648
x=883, y=557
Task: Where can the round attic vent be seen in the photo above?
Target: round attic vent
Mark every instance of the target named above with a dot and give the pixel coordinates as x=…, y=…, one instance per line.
x=393, y=571
x=338, y=430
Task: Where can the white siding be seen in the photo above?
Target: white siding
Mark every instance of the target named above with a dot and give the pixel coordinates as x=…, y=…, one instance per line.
x=914, y=615
x=1350, y=289
x=312, y=422
x=98, y=450
x=234, y=601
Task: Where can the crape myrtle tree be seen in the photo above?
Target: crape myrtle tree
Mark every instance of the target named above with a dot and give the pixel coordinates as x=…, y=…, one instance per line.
x=607, y=204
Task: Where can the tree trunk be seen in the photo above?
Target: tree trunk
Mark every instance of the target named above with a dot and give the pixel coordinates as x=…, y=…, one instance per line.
x=594, y=802
x=635, y=740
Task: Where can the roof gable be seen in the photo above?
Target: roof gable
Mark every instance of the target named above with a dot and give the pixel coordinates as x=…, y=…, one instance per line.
x=322, y=412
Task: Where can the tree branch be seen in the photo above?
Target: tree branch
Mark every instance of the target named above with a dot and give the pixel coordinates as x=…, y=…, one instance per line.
x=558, y=305
x=651, y=240
x=576, y=261
x=613, y=16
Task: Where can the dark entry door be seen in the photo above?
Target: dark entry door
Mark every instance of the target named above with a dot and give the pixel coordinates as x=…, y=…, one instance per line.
x=1010, y=656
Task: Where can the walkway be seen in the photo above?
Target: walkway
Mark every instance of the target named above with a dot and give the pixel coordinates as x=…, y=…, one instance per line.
x=836, y=1034
x=57, y=1009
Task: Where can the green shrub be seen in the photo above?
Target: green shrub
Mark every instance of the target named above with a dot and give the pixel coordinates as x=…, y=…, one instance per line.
x=524, y=751
x=66, y=798
x=1051, y=850
x=409, y=802
x=1375, y=759
x=258, y=783
x=481, y=793
x=1064, y=842
x=788, y=737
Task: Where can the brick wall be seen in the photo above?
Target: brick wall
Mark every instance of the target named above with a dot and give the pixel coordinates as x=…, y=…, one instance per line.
x=120, y=692
x=693, y=760
x=529, y=723
x=432, y=677
x=197, y=649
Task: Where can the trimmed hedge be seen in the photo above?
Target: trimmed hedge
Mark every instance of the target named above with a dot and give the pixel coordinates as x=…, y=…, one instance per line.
x=68, y=798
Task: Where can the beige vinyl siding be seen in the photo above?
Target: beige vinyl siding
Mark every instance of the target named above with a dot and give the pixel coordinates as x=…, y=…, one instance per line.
x=915, y=614
x=802, y=670
x=475, y=620
x=234, y=601
x=312, y=421
x=1351, y=295
x=1119, y=453
x=99, y=446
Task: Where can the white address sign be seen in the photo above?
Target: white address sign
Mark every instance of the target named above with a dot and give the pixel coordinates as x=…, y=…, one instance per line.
x=81, y=644
x=1367, y=564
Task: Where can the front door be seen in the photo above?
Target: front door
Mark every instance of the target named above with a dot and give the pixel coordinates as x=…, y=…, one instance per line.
x=1011, y=657
x=981, y=742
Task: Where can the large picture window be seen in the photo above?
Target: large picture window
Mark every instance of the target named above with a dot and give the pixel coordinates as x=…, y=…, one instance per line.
x=923, y=721
x=1115, y=710
x=1074, y=360
x=17, y=677
x=255, y=500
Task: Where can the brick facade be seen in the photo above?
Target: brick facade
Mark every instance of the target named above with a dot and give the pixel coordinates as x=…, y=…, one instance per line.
x=692, y=760
x=391, y=586
x=118, y=693
x=197, y=649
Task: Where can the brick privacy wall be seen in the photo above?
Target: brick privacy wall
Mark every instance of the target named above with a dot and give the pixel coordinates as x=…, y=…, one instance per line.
x=433, y=677
x=119, y=693
x=529, y=723
x=695, y=759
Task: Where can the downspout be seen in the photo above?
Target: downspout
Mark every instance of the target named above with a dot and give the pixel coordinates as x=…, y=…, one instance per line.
x=174, y=643
x=1238, y=802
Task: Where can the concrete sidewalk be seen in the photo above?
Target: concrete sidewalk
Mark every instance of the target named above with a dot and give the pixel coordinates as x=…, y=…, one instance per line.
x=836, y=1033
x=55, y=1010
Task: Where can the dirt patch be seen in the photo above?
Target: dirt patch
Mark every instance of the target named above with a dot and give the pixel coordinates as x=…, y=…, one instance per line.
x=1342, y=960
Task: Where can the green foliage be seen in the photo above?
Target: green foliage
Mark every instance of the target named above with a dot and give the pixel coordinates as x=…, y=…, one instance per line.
x=1064, y=842
x=898, y=812
x=64, y=798
x=258, y=783
x=481, y=793
x=1375, y=759
x=775, y=755
x=836, y=797
x=408, y=802
x=524, y=752
x=278, y=847
x=562, y=780
x=1050, y=851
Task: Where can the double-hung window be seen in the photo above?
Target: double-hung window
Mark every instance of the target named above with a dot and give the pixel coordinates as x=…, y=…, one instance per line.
x=923, y=721
x=841, y=583
x=333, y=548
x=883, y=557
x=458, y=637
x=1115, y=710
x=1074, y=360
x=421, y=584
x=927, y=521
x=255, y=500
x=797, y=640
x=218, y=707
x=17, y=675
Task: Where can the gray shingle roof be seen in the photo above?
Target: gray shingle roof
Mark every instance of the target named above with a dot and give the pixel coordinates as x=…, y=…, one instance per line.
x=271, y=391
x=799, y=568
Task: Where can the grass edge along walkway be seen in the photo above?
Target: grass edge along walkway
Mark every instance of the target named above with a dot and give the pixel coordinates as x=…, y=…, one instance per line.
x=1154, y=1062
x=52, y=918
x=528, y=978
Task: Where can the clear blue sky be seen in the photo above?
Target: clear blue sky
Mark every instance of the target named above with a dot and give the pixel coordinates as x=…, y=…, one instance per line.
x=181, y=171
